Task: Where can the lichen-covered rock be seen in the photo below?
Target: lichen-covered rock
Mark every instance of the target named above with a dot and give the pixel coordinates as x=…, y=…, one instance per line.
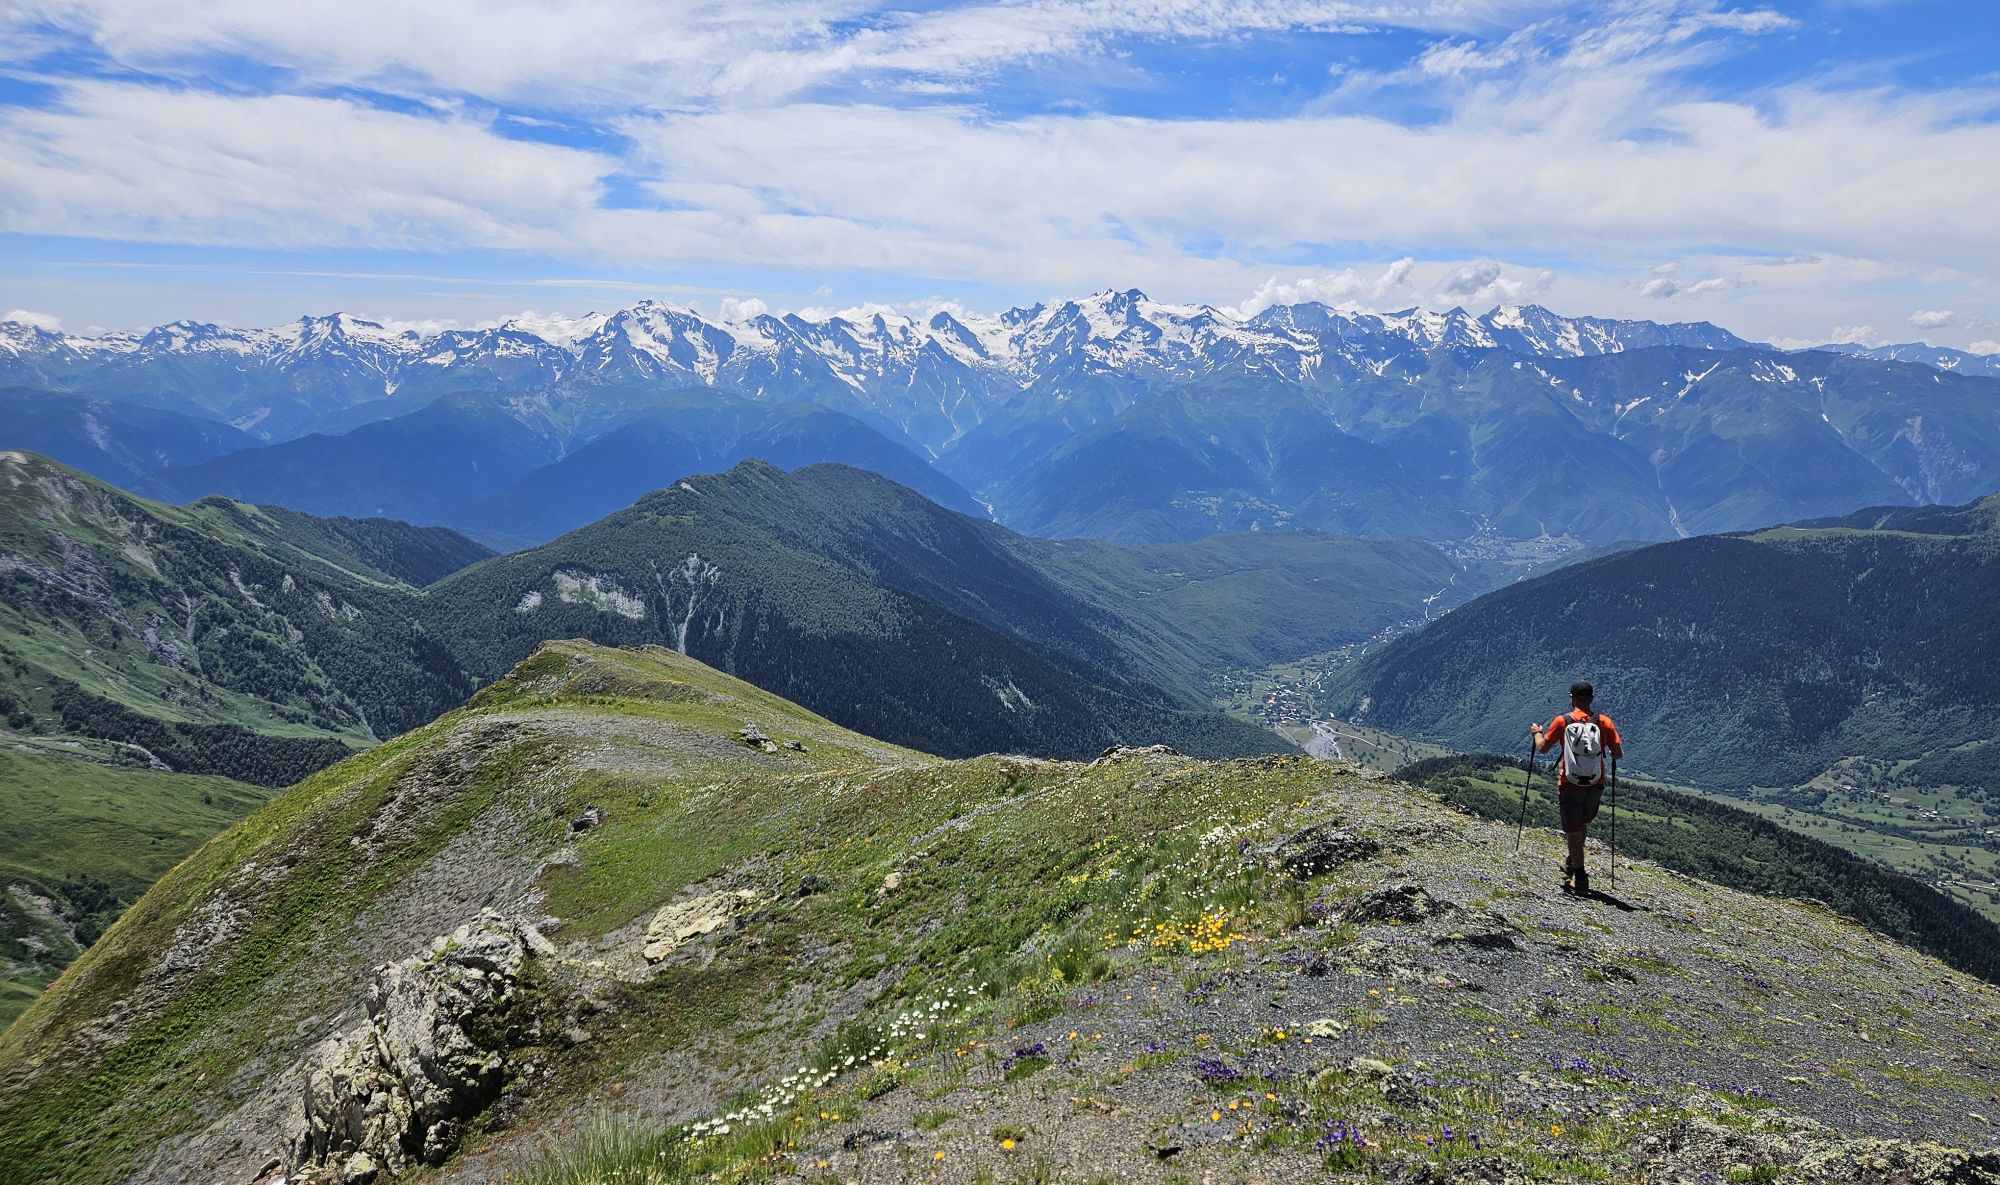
x=675, y=924
x=1901, y=1162
x=1404, y=901
x=393, y=1090
x=1315, y=851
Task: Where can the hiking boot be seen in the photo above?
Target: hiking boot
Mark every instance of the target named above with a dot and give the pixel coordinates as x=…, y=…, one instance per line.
x=1579, y=882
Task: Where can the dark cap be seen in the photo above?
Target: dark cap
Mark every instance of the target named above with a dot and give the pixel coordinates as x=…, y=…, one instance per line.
x=1581, y=691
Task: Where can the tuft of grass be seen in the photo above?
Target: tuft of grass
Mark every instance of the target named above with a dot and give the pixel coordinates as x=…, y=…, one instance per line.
x=608, y=1154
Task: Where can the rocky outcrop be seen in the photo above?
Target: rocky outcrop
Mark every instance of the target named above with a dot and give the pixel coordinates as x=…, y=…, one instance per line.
x=1139, y=752
x=676, y=924
x=1902, y=1162
x=1794, y=1148
x=1315, y=851
x=1404, y=901
x=394, y=1090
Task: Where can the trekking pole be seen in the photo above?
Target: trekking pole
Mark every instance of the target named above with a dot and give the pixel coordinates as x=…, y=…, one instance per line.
x=1520, y=827
x=1615, y=823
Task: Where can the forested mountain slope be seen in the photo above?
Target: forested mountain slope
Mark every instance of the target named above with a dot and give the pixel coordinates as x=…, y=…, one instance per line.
x=118, y=441
x=847, y=593
x=222, y=638
x=1734, y=661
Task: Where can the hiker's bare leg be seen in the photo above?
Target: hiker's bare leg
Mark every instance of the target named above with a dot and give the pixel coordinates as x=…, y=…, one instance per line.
x=1576, y=845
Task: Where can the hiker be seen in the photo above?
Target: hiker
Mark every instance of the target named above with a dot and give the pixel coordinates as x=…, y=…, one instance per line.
x=1585, y=736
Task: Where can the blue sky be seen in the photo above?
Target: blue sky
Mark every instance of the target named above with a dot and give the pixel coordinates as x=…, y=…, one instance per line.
x=1802, y=171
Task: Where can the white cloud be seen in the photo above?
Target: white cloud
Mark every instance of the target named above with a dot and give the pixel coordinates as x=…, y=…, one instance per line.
x=1032, y=194
x=1661, y=287
x=748, y=309
x=42, y=321
x=957, y=195
x=610, y=53
x=127, y=161
x=1470, y=278
x=1454, y=59
x=1932, y=318
x=1346, y=288
x=421, y=326
x=1486, y=282
x=1857, y=335
x=1582, y=138
x=1985, y=346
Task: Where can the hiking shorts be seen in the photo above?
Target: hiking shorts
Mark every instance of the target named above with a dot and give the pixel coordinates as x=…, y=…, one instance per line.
x=1578, y=805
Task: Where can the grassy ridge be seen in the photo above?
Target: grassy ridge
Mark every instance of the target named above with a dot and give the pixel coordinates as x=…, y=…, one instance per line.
x=997, y=969
x=222, y=1015
x=1059, y=841
x=1733, y=847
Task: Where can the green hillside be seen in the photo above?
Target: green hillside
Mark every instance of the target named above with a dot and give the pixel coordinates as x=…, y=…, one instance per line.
x=810, y=956
x=224, y=639
x=263, y=644
x=382, y=550
x=88, y=828
x=1246, y=600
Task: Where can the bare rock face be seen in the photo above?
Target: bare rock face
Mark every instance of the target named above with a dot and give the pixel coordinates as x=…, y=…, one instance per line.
x=684, y=920
x=394, y=1089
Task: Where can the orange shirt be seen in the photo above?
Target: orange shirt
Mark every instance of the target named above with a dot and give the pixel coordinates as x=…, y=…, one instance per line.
x=1553, y=735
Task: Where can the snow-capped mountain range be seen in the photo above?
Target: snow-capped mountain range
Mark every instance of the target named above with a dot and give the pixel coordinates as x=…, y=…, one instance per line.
x=1112, y=416
x=1924, y=354
x=931, y=379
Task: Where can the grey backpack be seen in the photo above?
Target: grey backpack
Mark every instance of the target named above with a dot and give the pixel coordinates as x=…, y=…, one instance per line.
x=1583, y=751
